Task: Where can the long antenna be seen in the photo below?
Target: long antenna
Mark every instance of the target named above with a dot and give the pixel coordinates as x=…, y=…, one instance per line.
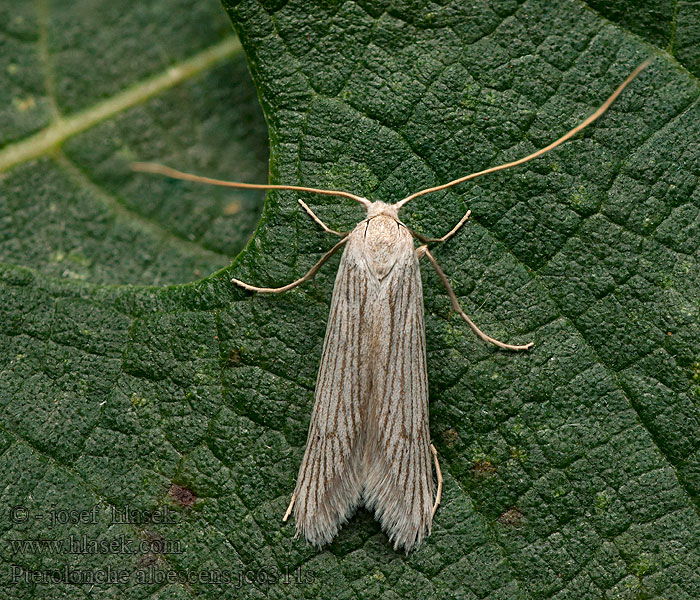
x=146, y=167
x=544, y=150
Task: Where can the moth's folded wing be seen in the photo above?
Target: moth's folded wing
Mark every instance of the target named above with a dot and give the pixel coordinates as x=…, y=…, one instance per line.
x=399, y=478
x=329, y=484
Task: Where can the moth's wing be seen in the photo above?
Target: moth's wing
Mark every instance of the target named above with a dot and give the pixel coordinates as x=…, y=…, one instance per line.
x=398, y=461
x=329, y=484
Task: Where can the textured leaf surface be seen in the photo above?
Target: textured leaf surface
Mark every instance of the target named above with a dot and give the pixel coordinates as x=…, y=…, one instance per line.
x=572, y=471
x=672, y=25
x=78, y=212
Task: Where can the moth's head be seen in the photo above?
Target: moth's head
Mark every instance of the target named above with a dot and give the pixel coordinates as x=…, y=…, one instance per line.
x=374, y=209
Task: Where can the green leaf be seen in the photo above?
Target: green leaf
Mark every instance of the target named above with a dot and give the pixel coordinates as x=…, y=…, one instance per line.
x=572, y=471
x=87, y=89
x=674, y=26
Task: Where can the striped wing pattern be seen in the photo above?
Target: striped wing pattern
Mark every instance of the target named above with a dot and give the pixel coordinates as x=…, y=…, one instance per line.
x=398, y=468
x=369, y=438
x=329, y=485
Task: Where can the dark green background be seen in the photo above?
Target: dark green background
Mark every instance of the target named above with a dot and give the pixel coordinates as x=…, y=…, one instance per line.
x=572, y=471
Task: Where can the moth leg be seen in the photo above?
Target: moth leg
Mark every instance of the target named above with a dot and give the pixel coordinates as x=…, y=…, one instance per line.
x=448, y=235
x=313, y=215
x=289, y=508
x=309, y=275
x=438, y=472
x=457, y=308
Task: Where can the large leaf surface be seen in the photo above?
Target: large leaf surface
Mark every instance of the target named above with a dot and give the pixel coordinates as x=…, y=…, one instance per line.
x=672, y=25
x=572, y=471
x=144, y=83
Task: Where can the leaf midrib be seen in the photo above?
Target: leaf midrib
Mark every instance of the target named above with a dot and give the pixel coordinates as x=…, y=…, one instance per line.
x=63, y=128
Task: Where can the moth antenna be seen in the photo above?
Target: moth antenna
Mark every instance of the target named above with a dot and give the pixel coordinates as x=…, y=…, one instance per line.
x=540, y=152
x=147, y=167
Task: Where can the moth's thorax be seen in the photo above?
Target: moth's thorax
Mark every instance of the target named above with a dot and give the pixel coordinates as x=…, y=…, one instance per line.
x=384, y=239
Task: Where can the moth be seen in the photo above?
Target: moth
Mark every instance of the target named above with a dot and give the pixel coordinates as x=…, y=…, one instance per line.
x=369, y=439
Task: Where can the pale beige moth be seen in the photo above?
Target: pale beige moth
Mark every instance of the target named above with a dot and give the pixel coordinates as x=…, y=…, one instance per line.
x=369, y=440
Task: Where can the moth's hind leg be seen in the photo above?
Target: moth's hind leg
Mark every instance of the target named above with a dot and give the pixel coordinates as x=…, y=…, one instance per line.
x=289, y=508
x=438, y=473
x=309, y=275
x=423, y=250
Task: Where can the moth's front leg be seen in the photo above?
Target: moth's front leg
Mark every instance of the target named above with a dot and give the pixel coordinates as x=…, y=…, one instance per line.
x=445, y=237
x=313, y=215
